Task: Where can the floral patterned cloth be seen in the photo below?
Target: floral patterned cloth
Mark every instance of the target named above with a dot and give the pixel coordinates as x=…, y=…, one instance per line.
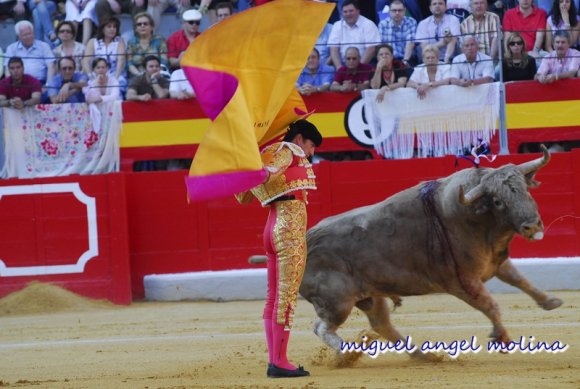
x=61, y=139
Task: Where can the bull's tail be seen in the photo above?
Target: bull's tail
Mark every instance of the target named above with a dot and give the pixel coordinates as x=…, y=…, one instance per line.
x=397, y=301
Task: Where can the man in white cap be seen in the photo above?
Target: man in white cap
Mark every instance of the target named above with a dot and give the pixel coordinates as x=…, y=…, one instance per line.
x=179, y=41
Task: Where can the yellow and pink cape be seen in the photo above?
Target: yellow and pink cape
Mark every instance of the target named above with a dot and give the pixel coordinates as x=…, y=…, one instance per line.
x=243, y=71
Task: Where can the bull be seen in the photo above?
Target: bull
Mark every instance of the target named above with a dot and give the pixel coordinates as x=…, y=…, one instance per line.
x=450, y=235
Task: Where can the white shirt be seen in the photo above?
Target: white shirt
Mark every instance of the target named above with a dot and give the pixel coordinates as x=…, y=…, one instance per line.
x=36, y=58
x=481, y=67
x=363, y=34
x=420, y=73
x=179, y=83
x=428, y=31
x=112, y=92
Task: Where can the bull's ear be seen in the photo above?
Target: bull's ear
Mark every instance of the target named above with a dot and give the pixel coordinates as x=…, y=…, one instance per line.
x=531, y=182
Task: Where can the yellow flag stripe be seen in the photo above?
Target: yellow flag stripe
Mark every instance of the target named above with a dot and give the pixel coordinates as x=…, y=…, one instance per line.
x=543, y=115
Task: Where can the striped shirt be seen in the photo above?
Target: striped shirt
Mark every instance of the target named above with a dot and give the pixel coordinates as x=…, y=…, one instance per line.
x=398, y=36
x=485, y=30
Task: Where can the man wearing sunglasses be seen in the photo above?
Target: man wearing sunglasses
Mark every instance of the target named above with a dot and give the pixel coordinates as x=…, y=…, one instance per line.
x=179, y=41
x=67, y=85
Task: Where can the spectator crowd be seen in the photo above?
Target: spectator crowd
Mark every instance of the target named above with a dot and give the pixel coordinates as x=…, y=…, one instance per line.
x=455, y=43
x=79, y=55
x=74, y=51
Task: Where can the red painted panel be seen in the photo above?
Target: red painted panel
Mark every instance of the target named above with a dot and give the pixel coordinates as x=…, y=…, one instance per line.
x=533, y=91
x=537, y=135
x=329, y=102
x=52, y=229
x=159, y=110
x=168, y=109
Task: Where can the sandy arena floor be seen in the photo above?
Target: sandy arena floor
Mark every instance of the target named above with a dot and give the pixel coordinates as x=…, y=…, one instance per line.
x=52, y=339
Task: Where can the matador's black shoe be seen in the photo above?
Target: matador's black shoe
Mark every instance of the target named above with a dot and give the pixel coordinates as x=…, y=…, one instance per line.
x=278, y=372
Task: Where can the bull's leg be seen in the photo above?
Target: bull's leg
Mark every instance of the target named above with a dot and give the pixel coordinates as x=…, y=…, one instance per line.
x=378, y=314
x=474, y=293
x=328, y=334
x=508, y=273
x=329, y=320
x=377, y=311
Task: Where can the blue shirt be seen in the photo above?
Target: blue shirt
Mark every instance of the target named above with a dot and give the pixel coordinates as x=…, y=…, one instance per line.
x=324, y=75
x=321, y=43
x=398, y=36
x=55, y=84
x=36, y=58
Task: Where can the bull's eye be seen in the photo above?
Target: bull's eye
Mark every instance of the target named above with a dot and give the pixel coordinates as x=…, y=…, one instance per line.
x=497, y=203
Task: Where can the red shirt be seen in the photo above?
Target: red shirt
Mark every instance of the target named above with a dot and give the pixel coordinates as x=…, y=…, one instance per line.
x=176, y=43
x=363, y=73
x=514, y=20
x=23, y=90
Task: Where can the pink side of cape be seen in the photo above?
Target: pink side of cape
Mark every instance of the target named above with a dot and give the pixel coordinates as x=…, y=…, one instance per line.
x=212, y=89
x=215, y=186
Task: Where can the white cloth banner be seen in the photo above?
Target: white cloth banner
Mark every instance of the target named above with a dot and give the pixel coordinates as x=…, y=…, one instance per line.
x=448, y=121
x=61, y=139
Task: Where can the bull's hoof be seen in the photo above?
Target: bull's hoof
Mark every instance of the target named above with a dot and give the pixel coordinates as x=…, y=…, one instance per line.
x=426, y=357
x=502, y=338
x=551, y=303
x=349, y=359
x=346, y=360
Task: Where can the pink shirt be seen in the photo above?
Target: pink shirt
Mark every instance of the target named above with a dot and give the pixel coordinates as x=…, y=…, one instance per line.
x=552, y=65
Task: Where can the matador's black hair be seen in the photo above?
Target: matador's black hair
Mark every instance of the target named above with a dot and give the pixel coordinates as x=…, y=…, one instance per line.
x=306, y=129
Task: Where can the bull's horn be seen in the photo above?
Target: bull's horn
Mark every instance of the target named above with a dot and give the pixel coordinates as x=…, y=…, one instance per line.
x=471, y=196
x=531, y=166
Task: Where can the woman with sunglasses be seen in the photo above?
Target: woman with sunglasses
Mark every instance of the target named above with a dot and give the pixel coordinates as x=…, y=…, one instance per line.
x=517, y=65
x=179, y=41
x=109, y=45
x=563, y=16
x=69, y=47
x=144, y=43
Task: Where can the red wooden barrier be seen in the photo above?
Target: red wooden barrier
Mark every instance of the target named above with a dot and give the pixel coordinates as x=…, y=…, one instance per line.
x=78, y=231
x=46, y=234
x=168, y=235
x=71, y=231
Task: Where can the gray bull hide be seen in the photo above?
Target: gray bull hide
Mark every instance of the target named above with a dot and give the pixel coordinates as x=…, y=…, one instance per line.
x=450, y=235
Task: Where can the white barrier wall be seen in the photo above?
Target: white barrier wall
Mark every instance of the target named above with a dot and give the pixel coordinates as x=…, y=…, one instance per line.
x=250, y=284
